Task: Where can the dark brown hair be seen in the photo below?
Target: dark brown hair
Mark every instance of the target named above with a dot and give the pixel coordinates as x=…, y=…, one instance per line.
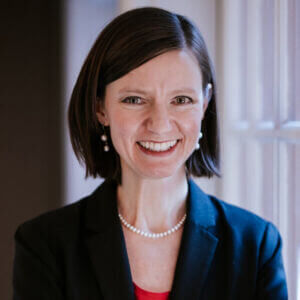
x=130, y=40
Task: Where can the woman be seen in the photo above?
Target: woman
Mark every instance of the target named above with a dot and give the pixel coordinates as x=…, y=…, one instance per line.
x=143, y=116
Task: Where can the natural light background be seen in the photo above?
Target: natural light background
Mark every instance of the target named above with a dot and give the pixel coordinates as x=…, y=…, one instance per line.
x=255, y=45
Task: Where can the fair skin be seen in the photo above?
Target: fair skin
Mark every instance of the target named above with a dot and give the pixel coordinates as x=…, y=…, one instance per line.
x=160, y=101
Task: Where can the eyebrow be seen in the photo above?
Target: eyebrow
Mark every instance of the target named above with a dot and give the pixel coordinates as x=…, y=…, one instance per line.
x=138, y=91
x=185, y=90
x=143, y=92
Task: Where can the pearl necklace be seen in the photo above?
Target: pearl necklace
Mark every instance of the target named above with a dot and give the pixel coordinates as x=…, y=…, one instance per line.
x=152, y=235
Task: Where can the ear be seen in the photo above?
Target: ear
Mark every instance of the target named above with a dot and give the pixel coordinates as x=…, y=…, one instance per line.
x=101, y=112
x=207, y=97
x=205, y=105
x=208, y=92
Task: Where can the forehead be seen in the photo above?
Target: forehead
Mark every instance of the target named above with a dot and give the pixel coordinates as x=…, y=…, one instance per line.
x=171, y=69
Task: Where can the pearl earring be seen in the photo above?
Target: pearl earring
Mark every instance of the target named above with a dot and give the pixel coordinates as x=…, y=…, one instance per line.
x=104, y=139
x=199, y=138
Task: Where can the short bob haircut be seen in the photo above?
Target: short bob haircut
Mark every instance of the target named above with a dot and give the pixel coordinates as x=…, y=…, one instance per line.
x=129, y=41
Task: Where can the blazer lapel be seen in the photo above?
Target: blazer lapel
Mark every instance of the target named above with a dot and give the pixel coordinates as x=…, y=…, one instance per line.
x=106, y=245
x=197, y=247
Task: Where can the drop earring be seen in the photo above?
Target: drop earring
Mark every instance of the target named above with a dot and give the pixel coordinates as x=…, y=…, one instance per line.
x=199, y=138
x=104, y=140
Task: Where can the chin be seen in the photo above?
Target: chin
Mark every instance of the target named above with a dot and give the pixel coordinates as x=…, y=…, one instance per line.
x=160, y=173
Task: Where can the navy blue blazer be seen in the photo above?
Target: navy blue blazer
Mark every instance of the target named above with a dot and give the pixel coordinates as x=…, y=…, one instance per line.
x=79, y=252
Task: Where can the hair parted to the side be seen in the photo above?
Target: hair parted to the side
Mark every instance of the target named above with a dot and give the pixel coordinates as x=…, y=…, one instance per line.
x=130, y=40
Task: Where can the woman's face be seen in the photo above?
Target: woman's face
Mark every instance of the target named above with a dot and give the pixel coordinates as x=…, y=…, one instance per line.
x=154, y=113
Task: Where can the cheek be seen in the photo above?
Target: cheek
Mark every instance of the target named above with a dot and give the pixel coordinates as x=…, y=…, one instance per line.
x=121, y=127
x=193, y=132
x=191, y=122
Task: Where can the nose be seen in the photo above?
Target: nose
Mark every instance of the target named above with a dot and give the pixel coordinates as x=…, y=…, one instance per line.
x=159, y=120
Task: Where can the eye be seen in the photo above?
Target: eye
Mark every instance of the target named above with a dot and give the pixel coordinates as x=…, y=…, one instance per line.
x=132, y=100
x=183, y=100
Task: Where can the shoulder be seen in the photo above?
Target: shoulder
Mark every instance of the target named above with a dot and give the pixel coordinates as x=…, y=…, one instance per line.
x=246, y=231
x=226, y=221
x=248, y=246
x=237, y=217
x=238, y=231
x=246, y=237
x=253, y=244
x=68, y=222
x=59, y=224
x=209, y=211
x=64, y=222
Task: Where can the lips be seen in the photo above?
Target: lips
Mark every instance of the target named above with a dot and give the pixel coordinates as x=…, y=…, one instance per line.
x=157, y=146
x=159, y=153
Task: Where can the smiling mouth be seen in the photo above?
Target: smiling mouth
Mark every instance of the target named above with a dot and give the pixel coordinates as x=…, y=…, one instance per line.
x=158, y=147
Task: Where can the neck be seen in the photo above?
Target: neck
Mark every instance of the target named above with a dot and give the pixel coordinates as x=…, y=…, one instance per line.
x=153, y=205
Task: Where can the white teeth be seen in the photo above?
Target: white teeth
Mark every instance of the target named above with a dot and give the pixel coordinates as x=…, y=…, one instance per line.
x=158, y=147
